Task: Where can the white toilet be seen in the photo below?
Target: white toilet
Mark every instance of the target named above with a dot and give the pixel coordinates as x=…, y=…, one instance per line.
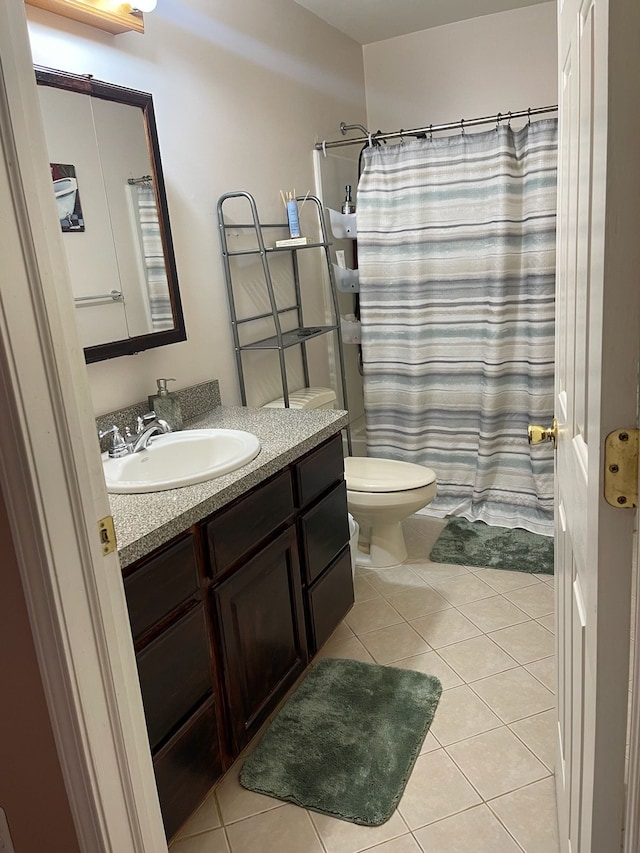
x=381, y=493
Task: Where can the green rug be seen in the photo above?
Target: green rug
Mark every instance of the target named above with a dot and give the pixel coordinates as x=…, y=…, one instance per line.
x=474, y=543
x=346, y=741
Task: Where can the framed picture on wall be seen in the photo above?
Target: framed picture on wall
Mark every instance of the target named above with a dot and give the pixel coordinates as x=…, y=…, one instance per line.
x=65, y=188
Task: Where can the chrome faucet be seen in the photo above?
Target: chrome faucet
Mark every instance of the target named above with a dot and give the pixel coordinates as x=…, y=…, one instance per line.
x=141, y=439
x=146, y=427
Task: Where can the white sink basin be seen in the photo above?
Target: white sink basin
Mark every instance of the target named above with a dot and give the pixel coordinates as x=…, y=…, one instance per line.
x=180, y=459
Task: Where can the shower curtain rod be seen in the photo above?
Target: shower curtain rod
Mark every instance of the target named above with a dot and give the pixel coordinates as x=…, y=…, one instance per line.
x=461, y=124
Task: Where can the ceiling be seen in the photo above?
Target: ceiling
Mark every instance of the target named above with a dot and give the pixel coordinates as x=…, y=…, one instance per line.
x=367, y=21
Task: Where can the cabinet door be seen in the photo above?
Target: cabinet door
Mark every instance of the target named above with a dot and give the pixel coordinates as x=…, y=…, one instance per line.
x=158, y=585
x=318, y=470
x=324, y=531
x=175, y=674
x=187, y=767
x=263, y=637
x=330, y=599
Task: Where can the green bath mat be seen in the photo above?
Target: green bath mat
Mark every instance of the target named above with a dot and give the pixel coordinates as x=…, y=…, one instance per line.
x=346, y=741
x=474, y=543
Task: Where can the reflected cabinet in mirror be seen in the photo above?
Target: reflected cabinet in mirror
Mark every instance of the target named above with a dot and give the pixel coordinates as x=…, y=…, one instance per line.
x=109, y=191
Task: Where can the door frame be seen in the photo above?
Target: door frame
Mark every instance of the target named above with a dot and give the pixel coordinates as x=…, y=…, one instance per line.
x=632, y=810
x=50, y=475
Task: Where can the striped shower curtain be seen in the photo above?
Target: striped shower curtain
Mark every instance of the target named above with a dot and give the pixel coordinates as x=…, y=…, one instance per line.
x=153, y=258
x=456, y=249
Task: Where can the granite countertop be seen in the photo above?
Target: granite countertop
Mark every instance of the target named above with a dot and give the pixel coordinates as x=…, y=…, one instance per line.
x=145, y=521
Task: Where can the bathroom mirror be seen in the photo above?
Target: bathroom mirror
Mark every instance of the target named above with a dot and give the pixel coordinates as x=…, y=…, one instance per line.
x=109, y=190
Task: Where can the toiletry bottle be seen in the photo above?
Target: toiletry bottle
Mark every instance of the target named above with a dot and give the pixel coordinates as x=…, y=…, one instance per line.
x=348, y=206
x=166, y=405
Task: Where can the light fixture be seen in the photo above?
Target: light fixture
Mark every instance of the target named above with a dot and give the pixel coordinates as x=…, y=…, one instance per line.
x=143, y=5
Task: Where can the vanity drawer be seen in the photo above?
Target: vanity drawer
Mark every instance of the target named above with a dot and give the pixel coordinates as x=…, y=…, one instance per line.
x=187, y=767
x=156, y=587
x=237, y=530
x=175, y=673
x=330, y=599
x=317, y=471
x=324, y=531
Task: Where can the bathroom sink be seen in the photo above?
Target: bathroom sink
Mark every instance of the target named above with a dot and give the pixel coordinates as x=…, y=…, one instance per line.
x=180, y=459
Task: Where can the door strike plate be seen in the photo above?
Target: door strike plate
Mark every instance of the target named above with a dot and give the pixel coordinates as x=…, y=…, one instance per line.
x=107, y=535
x=621, y=468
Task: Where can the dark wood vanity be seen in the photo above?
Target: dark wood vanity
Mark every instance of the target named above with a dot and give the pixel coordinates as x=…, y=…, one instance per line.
x=226, y=617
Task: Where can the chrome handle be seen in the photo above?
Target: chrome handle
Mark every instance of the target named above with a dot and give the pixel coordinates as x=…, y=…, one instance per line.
x=539, y=434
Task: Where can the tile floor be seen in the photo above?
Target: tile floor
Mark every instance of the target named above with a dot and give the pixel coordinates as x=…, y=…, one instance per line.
x=484, y=780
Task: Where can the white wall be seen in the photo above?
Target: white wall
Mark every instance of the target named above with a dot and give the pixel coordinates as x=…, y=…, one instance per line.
x=242, y=90
x=501, y=62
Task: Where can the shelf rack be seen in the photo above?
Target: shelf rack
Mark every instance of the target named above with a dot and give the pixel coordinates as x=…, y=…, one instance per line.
x=280, y=340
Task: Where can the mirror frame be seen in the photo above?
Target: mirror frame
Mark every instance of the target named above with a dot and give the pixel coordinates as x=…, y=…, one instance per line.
x=86, y=85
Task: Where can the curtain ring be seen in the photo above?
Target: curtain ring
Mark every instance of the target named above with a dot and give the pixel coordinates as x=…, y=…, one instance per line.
x=401, y=136
x=461, y=127
x=498, y=120
x=370, y=141
x=509, y=122
x=430, y=133
x=324, y=147
x=529, y=117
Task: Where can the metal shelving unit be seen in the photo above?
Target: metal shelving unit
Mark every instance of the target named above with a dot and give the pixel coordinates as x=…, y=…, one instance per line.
x=280, y=340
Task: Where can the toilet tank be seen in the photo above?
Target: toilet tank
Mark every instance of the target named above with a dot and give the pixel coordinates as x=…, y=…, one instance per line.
x=306, y=398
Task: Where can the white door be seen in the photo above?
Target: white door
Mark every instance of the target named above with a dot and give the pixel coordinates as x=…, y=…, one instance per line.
x=596, y=387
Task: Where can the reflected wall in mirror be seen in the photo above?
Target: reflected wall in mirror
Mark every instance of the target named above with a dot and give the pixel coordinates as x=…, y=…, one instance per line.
x=121, y=263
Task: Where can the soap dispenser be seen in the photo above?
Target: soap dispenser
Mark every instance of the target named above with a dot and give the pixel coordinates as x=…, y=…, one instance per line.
x=166, y=405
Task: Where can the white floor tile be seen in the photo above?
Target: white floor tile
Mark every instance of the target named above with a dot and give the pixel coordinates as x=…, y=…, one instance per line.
x=393, y=580
x=474, y=831
x=545, y=671
x=236, y=802
x=526, y=642
x=432, y=664
x=394, y=643
x=207, y=842
x=497, y=762
x=340, y=836
x=351, y=648
x=284, y=830
x=540, y=734
x=436, y=789
x=502, y=580
x=463, y=589
x=531, y=817
x=444, y=628
x=476, y=658
x=205, y=819
x=371, y=615
x=514, y=694
x=404, y=844
x=535, y=600
x=460, y=715
x=491, y=614
x=418, y=602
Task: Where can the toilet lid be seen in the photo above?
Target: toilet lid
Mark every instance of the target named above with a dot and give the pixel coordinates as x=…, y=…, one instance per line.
x=367, y=474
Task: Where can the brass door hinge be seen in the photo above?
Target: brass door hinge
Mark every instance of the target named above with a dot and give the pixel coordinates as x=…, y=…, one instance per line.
x=107, y=535
x=621, y=468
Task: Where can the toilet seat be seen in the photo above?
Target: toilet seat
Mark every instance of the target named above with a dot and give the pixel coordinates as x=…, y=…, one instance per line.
x=368, y=474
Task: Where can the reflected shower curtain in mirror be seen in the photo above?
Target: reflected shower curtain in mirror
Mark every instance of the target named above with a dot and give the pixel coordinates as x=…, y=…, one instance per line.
x=456, y=249
x=153, y=257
